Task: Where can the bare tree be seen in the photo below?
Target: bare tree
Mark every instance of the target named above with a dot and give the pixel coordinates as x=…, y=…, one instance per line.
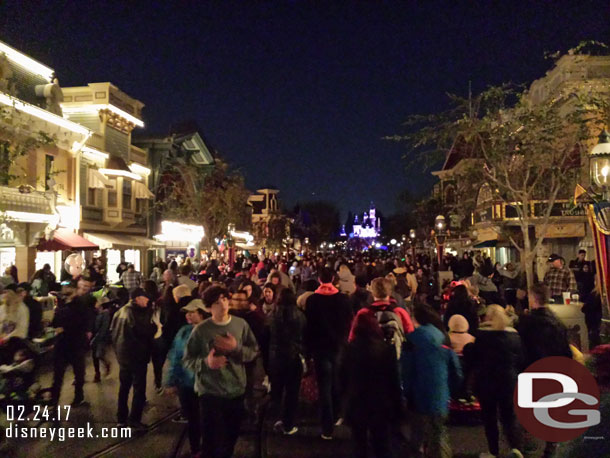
x=525, y=153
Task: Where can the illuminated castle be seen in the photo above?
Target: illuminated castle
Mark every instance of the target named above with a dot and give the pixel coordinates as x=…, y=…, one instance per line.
x=369, y=227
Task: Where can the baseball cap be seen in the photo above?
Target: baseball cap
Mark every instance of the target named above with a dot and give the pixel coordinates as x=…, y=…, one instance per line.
x=553, y=257
x=137, y=293
x=193, y=306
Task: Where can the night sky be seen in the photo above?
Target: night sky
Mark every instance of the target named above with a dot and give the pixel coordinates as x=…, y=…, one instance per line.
x=300, y=94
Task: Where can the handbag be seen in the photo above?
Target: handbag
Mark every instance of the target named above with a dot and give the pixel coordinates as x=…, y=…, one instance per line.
x=309, y=387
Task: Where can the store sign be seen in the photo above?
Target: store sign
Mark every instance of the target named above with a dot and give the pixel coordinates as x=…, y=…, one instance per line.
x=174, y=231
x=555, y=231
x=564, y=209
x=481, y=216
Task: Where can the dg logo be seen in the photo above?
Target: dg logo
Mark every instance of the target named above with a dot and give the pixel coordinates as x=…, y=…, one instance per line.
x=557, y=399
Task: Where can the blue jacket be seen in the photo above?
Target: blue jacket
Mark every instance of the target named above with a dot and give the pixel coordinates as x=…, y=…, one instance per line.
x=430, y=371
x=177, y=375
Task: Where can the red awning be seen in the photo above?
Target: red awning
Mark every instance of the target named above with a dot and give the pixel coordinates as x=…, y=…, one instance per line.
x=63, y=239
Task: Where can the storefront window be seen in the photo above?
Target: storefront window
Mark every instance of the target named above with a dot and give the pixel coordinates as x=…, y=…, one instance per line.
x=133, y=257
x=45, y=257
x=114, y=259
x=7, y=258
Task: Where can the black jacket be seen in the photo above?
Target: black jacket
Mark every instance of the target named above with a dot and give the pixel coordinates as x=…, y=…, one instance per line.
x=172, y=318
x=497, y=358
x=592, y=309
x=76, y=318
x=132, y=334
x=35, y=308
x=542, y=335
x=329, y=319
x=287, y=333
x=467, y=309
x=360, y=298
x=369, y=373
x=256, y=321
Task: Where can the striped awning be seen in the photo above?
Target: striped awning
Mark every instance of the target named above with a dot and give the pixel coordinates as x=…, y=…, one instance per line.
x=141, y=191
x=96, y=179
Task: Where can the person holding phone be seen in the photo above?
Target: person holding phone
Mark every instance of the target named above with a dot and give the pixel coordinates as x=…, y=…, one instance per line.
x=217, y=352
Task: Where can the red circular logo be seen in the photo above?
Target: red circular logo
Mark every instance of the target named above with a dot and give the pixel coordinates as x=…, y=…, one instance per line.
x=557, y=399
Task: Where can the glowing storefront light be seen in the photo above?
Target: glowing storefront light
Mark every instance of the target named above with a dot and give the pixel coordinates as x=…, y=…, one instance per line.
x=103, y=106
x=69, y=216
x=174, y=231
x=27, y=62
x=120, y=173
x=43, y=114
x=242, y=235
x=137, y=168
x=95, y=154
x=27, y=217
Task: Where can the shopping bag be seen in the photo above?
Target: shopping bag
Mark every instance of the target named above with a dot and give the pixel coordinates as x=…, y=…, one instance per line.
x=309, y=387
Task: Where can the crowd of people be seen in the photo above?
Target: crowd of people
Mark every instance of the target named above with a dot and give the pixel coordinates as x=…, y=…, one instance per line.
x=386, y=346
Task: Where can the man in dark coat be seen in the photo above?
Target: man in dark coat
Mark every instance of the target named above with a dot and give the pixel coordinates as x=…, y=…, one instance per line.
x=541, y=331
x=73, y=322
x=329, y=317
x=361, y=297
x=542, y=335
x=132, y=336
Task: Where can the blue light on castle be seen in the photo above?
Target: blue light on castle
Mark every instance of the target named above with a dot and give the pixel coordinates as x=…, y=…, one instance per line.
x=369, y=228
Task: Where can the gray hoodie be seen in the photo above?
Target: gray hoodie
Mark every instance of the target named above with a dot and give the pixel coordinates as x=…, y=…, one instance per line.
x=230, y=381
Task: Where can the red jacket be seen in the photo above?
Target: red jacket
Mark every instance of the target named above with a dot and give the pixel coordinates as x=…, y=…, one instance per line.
x=407, y=324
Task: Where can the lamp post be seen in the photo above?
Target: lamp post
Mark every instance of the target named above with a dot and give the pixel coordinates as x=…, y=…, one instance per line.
x=599, y=167
x=231, y=244
x=412, y=243
x=440, y=235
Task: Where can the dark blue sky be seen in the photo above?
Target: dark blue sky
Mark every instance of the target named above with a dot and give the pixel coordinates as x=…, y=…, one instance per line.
x=299, y=94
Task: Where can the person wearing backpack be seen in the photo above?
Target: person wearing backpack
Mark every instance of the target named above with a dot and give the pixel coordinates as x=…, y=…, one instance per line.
x=394, y=321
x=373, y=404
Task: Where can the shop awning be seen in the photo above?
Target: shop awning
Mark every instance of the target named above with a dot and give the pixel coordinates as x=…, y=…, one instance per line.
x=64, y=239
x=141, y=191
x=486, y=244
x=97, y=180
x=121, y=241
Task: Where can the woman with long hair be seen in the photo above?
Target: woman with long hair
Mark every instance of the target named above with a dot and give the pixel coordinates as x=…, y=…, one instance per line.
x=269, y=298
x=160, y=347
x=460, y=303
x=372, y=403
x=286, y=347
x=592, y=309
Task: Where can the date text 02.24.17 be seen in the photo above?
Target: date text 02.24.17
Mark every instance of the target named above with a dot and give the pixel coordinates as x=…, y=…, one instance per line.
x=38, y=413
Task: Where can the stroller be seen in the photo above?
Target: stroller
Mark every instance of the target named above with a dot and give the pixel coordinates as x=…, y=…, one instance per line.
x=19, y=363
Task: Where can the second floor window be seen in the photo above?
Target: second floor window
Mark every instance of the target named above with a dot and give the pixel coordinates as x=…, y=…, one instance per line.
x=126, y=194
x=48, y=170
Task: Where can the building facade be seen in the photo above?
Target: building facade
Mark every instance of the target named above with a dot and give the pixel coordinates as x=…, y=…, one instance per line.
x=40, y=158
x=114, y=175
x=478, y=219
x=173, y=157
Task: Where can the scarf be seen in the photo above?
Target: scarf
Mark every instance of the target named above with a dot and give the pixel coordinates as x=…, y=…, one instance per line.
x=327, y=289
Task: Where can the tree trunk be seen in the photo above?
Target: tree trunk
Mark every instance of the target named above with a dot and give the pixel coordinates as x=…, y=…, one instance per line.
x=528, y=256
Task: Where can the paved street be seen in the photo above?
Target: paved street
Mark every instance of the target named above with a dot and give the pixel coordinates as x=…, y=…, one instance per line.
x=167, y=439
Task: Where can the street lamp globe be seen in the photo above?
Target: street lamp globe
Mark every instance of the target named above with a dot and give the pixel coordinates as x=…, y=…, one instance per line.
x=600, y=162
x=393, y=242
x=439, y=223
x=412, y=234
